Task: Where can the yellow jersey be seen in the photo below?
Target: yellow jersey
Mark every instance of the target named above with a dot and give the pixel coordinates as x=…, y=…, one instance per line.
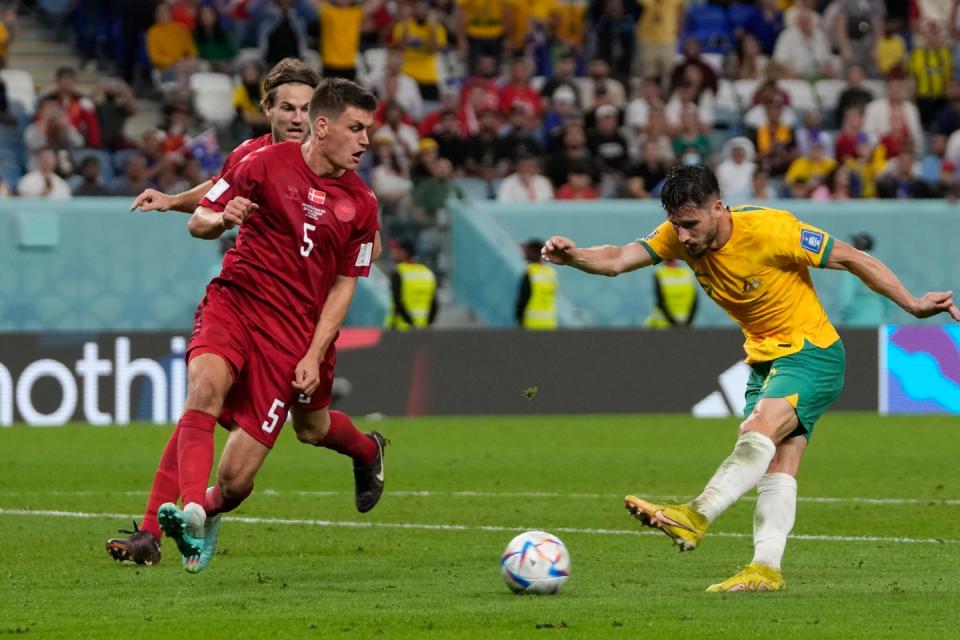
x=761, y=278
x=419, y=62
x=659, y=22
x=340, y=35
x=484, y=18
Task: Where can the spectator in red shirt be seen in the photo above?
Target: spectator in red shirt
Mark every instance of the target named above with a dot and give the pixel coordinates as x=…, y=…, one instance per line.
x=579, y=184
x=79, y=109
x=517, y=90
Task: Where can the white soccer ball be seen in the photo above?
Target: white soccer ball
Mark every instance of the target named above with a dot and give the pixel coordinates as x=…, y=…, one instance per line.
x=535, y=562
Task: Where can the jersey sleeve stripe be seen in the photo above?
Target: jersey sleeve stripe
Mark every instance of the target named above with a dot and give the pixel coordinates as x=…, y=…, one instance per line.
x=825, y=256
x=653, y=254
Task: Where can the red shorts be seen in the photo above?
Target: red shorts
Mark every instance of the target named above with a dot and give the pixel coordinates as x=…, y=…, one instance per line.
x=262, y=392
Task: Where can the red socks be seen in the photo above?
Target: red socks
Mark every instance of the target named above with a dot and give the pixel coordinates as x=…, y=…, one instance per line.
x=166, y=486
x=218, y=503
x=344, y=438
x=195, y=454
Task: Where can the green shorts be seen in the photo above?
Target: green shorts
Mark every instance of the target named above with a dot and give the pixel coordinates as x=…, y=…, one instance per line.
x=810, y=379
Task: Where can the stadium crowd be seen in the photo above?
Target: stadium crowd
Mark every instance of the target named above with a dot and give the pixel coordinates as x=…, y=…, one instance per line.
x=513, y=99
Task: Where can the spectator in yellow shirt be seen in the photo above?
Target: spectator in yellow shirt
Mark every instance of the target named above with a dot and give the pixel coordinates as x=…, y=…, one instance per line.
x=480, y=29
x=812, y=168
x=340, y=25
x=891, y=50
x=422, y=37
x=170, y=46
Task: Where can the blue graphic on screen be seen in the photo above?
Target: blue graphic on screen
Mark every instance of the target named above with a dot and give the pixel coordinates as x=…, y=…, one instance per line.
x=922, y=373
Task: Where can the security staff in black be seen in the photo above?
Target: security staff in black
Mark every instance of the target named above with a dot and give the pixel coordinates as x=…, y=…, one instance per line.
x=414, y=290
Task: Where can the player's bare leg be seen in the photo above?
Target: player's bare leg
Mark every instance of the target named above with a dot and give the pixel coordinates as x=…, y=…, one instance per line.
x=208, y=381
x=334, y=430
x=772, y=521
x=772, y=420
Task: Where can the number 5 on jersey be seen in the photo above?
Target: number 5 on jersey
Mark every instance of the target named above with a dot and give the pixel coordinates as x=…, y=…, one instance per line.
x=269, y=425
x=307, y=240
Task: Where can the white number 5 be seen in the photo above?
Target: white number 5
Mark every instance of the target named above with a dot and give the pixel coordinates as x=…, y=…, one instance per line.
x=272, y=414
x=307, y=241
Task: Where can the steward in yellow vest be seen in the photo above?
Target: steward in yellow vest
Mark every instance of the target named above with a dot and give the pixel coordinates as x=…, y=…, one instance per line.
x=675, y=288
x=537, y=300
x=414, y=288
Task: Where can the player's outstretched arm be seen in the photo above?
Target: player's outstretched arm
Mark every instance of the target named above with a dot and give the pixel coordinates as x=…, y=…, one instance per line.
x=878, y=276
x=209, y=224
x=605, y=260
x=307, y=374
x=186, y=202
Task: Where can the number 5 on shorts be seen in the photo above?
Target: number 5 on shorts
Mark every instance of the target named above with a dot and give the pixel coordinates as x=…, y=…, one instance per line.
x=269, y=426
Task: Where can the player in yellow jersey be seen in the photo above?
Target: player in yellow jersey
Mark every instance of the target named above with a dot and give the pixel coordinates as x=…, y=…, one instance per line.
x=754, y=262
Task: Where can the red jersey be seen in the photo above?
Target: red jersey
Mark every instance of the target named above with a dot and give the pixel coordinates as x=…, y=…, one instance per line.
x=244, y=149
x=306, y=232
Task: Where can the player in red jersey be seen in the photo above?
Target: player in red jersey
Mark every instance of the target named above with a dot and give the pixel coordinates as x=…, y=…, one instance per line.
x=288, y=88
x=263, y=333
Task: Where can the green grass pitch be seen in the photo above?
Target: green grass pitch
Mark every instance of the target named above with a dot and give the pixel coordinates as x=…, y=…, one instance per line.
x=875, y=553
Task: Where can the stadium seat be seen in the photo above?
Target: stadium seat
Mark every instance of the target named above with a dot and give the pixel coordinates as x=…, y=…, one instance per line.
x=14, y=150
x=828, y=92
x=20, y=90
x=106, y=161
x=213, y=97
x=374, y=60
x=10, y=169
x=587, y=92
x=120, y=159
x=247, y=54
x=802, y=98
x=727, y=106
x=715, y=60
x=953, y=147
x=741, y=14
x=930, y=168
x=474, y=188
x=745, y=90
x=877, y=87
x=711, y=27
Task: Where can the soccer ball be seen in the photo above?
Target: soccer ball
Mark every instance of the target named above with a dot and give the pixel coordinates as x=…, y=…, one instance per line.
x=535, y=562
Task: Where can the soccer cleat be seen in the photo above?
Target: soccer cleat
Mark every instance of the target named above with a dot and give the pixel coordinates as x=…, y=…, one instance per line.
x=211, y=531
x=139, y=546
x=685, y=526
x=753, y=577
x=186, y=529
x=368, y=478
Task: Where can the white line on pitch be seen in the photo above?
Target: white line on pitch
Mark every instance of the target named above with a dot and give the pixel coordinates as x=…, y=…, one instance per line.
x=462, y=527
x=511, y=494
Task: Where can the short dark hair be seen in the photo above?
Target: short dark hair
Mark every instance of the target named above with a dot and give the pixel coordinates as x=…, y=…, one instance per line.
x=65, y=71
x=287, y=71
x=689, y=185
x=333, y=95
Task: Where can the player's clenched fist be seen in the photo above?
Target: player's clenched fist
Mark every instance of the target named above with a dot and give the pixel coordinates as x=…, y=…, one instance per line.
x=558, y=250
x=151, y=200
x=237, y=211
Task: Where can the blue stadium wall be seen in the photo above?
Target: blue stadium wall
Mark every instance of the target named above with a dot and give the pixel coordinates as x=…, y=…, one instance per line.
x=89, y=264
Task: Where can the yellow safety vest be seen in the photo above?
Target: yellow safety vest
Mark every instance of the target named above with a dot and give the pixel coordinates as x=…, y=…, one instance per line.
x=418, y=286
x=541, y=311
x=679, y=290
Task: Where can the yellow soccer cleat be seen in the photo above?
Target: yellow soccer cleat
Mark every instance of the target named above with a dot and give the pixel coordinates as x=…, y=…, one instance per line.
x=753, y=577
x=685, y=526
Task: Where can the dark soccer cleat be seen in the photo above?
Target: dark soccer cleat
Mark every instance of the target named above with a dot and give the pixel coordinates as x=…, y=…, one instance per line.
x=368, y=478
x=139, y=546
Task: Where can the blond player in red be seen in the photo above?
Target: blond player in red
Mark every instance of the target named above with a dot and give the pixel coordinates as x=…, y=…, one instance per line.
x=262, y=340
